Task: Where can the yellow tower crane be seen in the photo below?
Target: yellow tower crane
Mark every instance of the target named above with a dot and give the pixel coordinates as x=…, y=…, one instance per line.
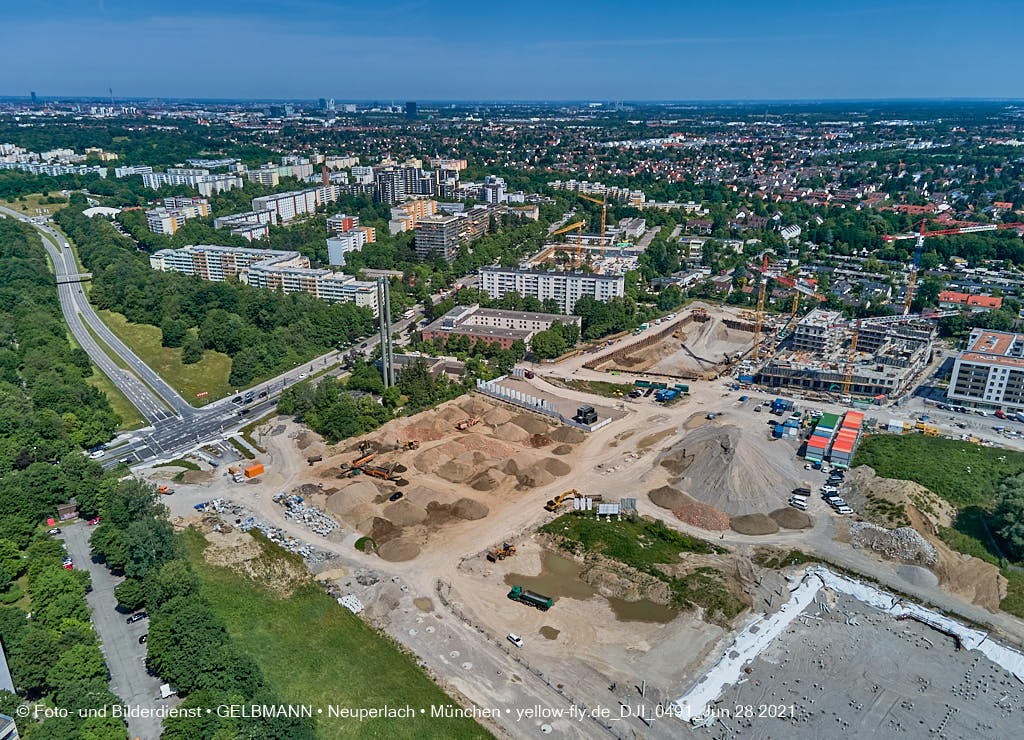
x=604, y=213
x=578, y=226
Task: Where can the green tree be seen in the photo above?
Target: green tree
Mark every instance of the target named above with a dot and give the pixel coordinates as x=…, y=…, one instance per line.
x=548, y=343
x=173, y=332
x=1008, y=516
x=191, y=350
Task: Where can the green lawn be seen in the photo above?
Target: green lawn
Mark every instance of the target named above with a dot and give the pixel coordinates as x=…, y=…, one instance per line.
x=314, y=651
x=644, y=544
x=33, y=201
x=599, y=387
x=209, y=374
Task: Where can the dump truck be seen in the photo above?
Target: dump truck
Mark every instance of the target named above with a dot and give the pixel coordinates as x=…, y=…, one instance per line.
x=530, y=598
x=505, y=551
x=467, y=423
x=165, y=490
x=557, y=501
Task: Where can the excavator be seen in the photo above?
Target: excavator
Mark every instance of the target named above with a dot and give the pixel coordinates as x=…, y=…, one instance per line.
x=366, y=454
x=555, y=503
x=409, y=444
x=505, y=551
x=467, y=423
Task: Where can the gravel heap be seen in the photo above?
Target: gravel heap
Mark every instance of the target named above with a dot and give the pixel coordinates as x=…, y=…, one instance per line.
x=904, y=544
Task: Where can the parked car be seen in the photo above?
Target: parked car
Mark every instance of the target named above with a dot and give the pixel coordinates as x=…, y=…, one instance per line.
x=96, y=520
x=142, y=639
x=55, y=530
x=138, y=616
x=68, y=565
x=395, y=496
x=515, y=639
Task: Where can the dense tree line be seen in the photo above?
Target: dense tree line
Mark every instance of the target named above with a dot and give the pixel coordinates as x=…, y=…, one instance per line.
x=263, y=331
x=188, y=644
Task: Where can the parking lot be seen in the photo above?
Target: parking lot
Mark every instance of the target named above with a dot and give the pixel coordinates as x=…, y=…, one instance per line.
x=119, y=641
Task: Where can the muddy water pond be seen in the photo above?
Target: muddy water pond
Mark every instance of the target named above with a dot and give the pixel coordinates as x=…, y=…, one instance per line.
x=560, y=578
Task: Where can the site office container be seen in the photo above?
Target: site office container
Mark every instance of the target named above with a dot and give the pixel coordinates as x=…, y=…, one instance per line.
x=253, y=470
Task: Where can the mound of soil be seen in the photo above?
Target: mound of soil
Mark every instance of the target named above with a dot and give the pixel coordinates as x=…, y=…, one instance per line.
x=555, y=466
x=689, y=511
x=569, y=435
x=398, y=550
x=531, y=424
x=485, y=444
x=465, y=508
x=754, y=524
x=497, y=416
x=382, y=530
x=717, y=466
x=464, y=467
x=790, y=518
x=539, y=440
x=562, y=450
x=667, y=497
x=405, y=513
x=488, y=480
x=474, y=406
x=510, y=432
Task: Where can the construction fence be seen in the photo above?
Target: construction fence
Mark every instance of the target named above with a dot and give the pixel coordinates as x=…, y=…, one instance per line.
x=494, y=389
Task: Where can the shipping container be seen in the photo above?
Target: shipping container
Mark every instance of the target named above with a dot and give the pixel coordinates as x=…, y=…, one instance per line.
x=253, y=470
x=746, y=378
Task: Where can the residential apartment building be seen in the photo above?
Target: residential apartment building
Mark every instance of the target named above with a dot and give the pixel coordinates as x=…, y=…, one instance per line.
x=175, y=211
x=405, y=216
x=286, y=206
x=340, y=222
x=199, y=179
x=493, y=190
x=493, y=325
x=968, y=302
x=990, y=372
x=815, y=332
x=438, y=235
x=341, y=244
x=288, y=272
x=252, y=225
x=566, y=288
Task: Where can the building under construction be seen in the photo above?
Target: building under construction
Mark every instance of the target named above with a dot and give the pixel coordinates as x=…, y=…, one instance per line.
x=889, y=355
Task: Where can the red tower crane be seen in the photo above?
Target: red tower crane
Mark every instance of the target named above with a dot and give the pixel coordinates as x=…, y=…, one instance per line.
x=921, y=235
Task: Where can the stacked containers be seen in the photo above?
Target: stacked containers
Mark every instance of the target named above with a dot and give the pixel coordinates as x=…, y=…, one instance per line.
x=824, y=430
x=789, y=430
x=846, y=439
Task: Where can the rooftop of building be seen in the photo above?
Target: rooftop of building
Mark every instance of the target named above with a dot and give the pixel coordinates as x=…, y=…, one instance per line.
x=568, y=273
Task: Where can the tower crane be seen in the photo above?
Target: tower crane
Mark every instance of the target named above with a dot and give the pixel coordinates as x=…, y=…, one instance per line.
x=919, y=238
x=786, y=280
x=579, y=235
x=604, y=213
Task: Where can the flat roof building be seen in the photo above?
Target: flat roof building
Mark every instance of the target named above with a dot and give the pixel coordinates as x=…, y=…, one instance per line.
x=493, y=325
x=990, y=371
x=565, y=288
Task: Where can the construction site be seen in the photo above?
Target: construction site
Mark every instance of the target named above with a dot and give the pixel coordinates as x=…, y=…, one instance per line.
x=700, y=344
x=428, y=526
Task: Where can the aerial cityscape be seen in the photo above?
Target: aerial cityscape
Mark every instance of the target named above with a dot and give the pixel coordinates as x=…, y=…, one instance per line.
x=649, y=381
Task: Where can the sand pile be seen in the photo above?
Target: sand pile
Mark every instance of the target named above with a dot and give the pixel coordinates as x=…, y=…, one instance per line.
x=485, y=444
x=510, y=432
x=891, y=503
x=497, y=416
x=716, y=467
x=462, y=468
x=398, y=550
x=539, y=440
x=570, y=435
x=405, y=513
x=474, y=406
x=790, y=518
x=754, y=524
x=423, y=432
x=488, y=480
x=430, y=460
x=562, y=450
x=450, y=414
x=689, y=511
x=531, y=424
x=527, y=472
x=465, y=508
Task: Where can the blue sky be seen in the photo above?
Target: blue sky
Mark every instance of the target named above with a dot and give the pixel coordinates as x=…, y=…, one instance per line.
x=528, y=50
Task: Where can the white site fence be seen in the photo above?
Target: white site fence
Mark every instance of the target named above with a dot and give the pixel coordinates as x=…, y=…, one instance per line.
x=494, y=389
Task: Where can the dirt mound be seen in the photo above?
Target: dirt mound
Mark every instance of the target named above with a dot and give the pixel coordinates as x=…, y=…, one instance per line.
x=667, y=497
x=562, y=450
x=488, y=480
x=754, y=524
x=474, y=406
x=531, y=424
x=790, y=518
x=464, y=467
x=230, y=548
x=430, y=460
x=555, y=466
x=465, y=508
x=485, y=444
x=398, y=550
x=510, y=432
x=422, y=432
x=569, y=435
x=197, y=476
x=450, y=414
x=539, y=440
x=382, y=530
x=895, y=503
x=718, y=468
x=689, y=511
x=405, y=513
x=497, y=416
x=303, y=440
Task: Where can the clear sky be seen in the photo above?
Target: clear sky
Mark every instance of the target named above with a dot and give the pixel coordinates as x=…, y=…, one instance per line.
x=527, y=50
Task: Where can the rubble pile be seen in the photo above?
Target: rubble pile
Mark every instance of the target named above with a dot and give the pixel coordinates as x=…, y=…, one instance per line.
x=244, y=520
x=312, y=517
x=905, y=543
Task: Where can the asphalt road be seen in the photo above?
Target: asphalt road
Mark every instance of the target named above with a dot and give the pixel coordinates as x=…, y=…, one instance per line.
x=125, y=657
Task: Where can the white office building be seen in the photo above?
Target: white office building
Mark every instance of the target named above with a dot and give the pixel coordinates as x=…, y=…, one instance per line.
x=566, y=288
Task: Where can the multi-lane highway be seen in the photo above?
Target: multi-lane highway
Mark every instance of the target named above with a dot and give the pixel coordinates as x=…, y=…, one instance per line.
x=175, y=426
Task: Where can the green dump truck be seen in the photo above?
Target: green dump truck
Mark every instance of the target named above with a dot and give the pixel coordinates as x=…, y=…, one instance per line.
x=530, y=598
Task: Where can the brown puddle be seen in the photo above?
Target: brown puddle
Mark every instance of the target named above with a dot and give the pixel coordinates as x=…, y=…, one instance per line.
x=423, y=604
x=560, y=578
x=549, y=633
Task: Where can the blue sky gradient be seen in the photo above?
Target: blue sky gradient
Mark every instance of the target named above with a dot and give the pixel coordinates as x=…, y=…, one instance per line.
x=527, y=50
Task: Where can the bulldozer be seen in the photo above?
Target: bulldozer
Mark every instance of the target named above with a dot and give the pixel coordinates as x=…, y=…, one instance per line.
x=505, y=551
x=555, y=503
x=467, y=423
x=409, y=444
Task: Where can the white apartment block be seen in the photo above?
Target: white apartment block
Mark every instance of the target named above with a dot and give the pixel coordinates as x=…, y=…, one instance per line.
x=137, y=169
x=170, y=217
x=566, y=288
x=286, y=206
x=288, y=272
x=990, y=372
x=362, y=175
x=341, y=244
x=201, y=180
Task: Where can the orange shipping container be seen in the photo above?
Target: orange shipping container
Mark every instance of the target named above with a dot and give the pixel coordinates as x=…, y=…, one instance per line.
x=253, y=470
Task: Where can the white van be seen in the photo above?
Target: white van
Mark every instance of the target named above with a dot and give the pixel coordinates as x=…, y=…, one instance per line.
x=844, y=510
x=802, y=505
x=515, y=639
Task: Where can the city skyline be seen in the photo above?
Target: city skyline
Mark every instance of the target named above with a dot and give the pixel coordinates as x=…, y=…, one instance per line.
x=597, y=51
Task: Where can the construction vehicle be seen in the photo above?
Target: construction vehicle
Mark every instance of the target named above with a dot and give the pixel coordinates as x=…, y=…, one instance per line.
x=505, y=551
x=530, y=598
x=365, y=448
x=409, y=444
x=314, y=459
x=467, y=423
x=557, y=501
x=378, y=472
x=165, y=490
x=700, y=314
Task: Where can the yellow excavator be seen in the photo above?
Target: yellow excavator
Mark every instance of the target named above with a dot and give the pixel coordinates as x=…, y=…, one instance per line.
x=555, y=503
x=409, y=444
